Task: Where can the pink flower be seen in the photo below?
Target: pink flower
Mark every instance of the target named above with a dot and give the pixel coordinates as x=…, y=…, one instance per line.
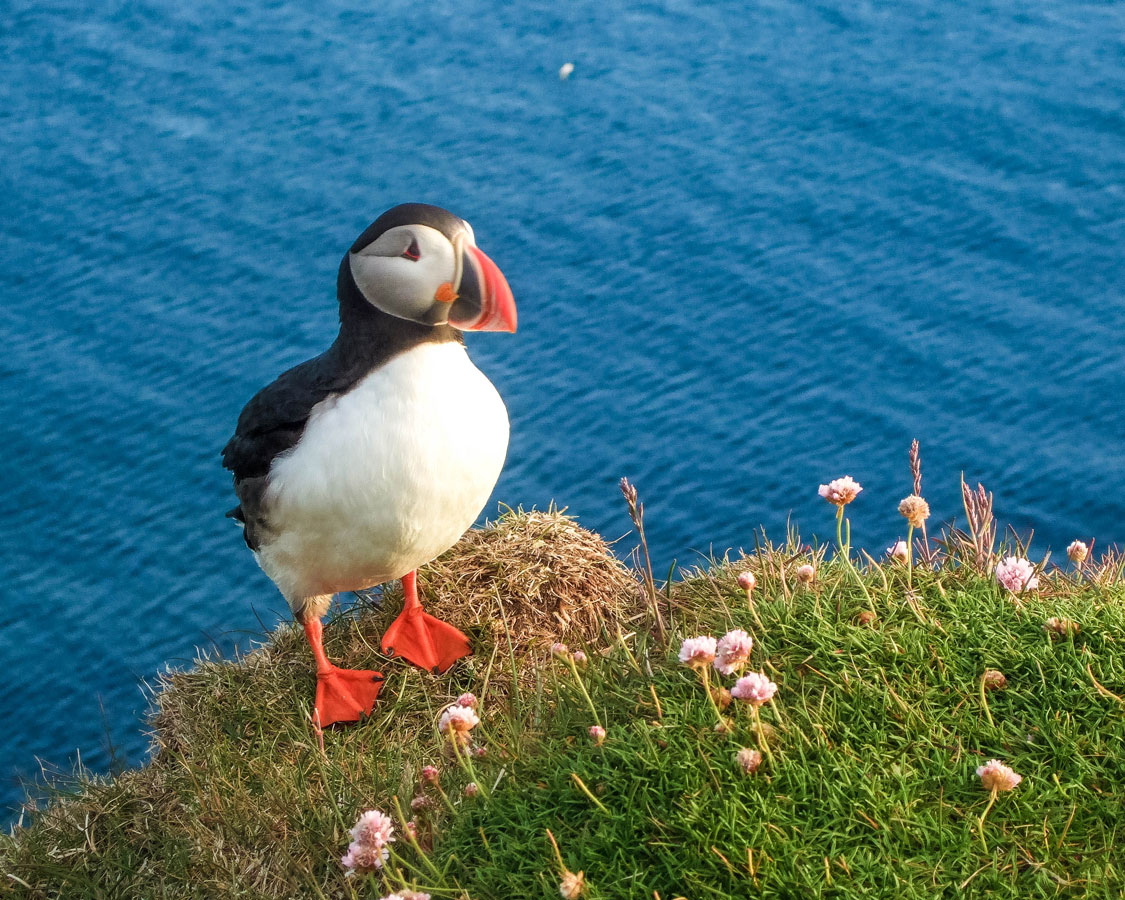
x=472, y=789
x=558, y=648
x=364, y=858
x=579, y=658
x=995, y=776
x=420, y=802
x=698, y=652
x=373, y=827
x=458, y=720
x=840, y=491
x=430, y=774
x=747, y=581
x=1077, y=551
x=597, y=734
x=748, y=760
x=898, y=551
x=407, y=895
x=754, y=689
x=469, y=700
x=806, y=573
x=733, y=651
x=1017, y=574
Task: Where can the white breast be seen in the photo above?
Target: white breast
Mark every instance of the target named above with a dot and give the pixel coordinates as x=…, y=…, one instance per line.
x=386, y=476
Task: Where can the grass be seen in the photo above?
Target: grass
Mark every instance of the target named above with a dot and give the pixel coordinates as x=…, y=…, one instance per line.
x=869, y=788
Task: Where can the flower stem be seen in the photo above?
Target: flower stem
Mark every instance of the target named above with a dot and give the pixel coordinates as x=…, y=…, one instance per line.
x=980, y=824
x=582, y=687
x=910, y=558
x=414, y=841
x=585, y=790
x=705, y=672
x=762, y=743
x=984, y=703
x=467, y=764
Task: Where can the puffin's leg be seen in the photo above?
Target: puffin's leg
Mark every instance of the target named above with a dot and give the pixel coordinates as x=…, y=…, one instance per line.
x=342, y=695
x=419, y=638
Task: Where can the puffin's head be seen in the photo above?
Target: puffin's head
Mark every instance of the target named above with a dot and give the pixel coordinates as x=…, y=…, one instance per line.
x=421, y=262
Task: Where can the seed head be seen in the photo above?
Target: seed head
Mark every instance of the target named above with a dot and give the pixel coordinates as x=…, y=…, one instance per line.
x=748, y=760
x=472, y=789
x=840, y=491
x=995, y=776
x=1060, y=626
x=915, y=510
x=866, y=617
x=572, y=885
x=1077, y=552
x=994, y=680
x=898, y=551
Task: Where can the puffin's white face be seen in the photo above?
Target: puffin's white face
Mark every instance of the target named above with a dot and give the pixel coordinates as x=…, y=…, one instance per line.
x=416, y=272
x=412, y=271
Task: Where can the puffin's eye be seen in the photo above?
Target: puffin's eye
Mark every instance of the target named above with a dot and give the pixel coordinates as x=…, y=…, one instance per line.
x=412, y=252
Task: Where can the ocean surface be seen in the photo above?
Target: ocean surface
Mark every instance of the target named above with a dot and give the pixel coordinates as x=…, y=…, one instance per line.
x=754, y=246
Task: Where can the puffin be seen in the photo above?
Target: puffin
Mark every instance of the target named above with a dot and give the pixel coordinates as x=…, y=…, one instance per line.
x=361, y=464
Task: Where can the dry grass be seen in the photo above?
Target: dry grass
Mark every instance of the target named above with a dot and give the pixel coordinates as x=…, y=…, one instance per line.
x=542, y=574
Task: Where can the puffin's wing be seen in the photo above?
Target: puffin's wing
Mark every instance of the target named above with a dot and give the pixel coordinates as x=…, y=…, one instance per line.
x=271, y=423
x=275, y=418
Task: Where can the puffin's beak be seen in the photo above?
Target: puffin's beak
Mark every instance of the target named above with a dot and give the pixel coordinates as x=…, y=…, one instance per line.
x=484, y=300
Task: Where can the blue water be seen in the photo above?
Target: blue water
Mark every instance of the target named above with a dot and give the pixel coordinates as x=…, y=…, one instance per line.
x=754, y=247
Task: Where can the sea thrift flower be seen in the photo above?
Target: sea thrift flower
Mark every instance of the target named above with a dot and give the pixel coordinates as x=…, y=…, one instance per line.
x=698, y=652
x=754, y=689
x=373, y=827
x=1016, y=574
x=748, y=760
x=368, y=849
x=430, y=774
x=572, y=885
x=597, y=734
x=579, y=658
x=995, y=776
x=840, y=491
x=915, y=510
x=419, y=803
x=407, y=895
x=558, y=648
x=994, y=680
x=722, y=697
x=480, y=752
x=411, y=828
x=732, y=651
x=806, y=573
x=897, y=551
x=1060, y=626
x=1077, y=552
x=469, y=700
x=747, y=581
x=459, y=721
x=363, y=858
x=472, y=789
